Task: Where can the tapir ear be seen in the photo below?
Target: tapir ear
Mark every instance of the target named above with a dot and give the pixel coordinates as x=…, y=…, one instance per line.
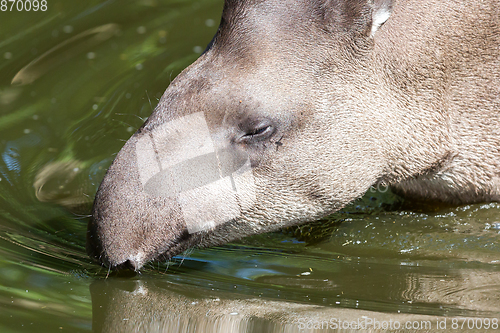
x=382, y=10
x=362, y=16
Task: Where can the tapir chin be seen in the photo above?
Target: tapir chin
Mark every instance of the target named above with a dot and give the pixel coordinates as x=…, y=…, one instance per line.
x=294, y=110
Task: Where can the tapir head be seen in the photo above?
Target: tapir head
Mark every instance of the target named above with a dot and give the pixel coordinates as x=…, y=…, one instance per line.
x=272, y=126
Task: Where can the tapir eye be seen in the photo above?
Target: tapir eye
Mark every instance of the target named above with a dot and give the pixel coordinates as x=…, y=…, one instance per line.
x=259, y=132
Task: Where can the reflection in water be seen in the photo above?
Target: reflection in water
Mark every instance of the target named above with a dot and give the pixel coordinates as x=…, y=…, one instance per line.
x=68, y=49
x=58, y=182
x=467, y=289
x=11, y=156
x=152, y=306
x=287, y=288
x=155, y=305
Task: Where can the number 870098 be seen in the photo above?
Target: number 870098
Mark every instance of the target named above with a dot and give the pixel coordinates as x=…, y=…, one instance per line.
x=23, y=5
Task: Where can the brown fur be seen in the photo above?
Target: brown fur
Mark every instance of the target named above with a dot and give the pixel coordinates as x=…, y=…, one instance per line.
x=416, y=104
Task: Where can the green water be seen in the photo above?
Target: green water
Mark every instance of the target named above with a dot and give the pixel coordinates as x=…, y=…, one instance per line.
x=76, y=81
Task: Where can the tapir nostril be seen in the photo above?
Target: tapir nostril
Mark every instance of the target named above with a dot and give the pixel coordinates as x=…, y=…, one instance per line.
x=133, y=263
x=130, y=264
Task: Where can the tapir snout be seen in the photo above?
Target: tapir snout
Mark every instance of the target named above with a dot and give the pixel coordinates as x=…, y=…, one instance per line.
x=294, y=110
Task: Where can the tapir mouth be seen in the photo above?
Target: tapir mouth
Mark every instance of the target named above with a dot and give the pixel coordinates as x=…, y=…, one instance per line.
x=136, y=261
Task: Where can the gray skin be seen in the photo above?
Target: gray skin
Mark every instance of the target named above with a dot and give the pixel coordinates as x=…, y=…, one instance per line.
x=327, y=98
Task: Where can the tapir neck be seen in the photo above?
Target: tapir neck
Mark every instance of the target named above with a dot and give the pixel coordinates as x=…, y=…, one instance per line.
x=437, y=139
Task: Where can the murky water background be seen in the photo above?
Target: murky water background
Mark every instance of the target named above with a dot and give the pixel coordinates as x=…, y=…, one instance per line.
x=75, y=82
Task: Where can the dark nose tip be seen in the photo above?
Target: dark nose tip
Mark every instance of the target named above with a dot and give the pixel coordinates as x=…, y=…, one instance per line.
x=124, y=261
x=130, y=264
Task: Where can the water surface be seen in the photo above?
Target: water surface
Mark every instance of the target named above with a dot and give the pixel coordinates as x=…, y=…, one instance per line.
x=75, y=82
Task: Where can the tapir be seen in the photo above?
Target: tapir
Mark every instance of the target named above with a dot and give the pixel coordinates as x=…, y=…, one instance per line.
x=295, y=109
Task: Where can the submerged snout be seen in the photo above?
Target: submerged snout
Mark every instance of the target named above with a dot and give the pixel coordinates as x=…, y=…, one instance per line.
x=166, y=188
x=129, y=227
